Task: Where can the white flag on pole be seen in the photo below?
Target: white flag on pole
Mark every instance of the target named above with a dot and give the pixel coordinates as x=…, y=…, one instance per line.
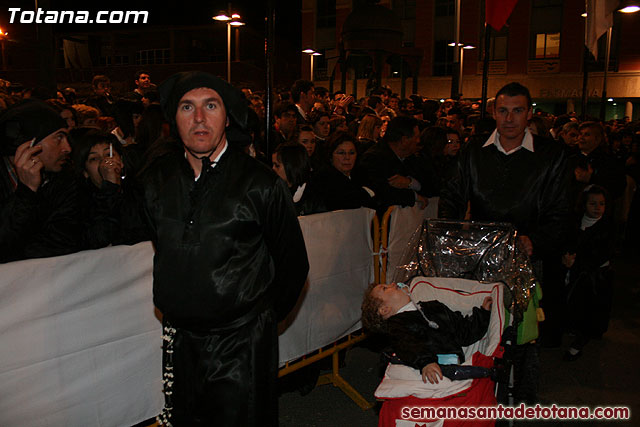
x=599, y=20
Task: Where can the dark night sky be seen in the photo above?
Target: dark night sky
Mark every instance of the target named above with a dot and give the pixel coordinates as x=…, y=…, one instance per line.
x=167, y=13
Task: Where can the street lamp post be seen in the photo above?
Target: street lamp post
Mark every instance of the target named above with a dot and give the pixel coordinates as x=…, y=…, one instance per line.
x=462, y=48
x=3, y=37
x=311, y=54
x=232, y=20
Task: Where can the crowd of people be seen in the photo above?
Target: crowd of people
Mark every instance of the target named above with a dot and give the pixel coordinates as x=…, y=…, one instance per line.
x=72, y=168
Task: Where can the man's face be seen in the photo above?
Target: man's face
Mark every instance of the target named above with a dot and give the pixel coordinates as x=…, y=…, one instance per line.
x=286, y=122
x=67, y=115
x=323, y=127
x=589, y=139
x=393, y=103
x=307, y=98
x=454, y=121
x=512, y=114
x=55, y=151
x=411, y=144
x=321, y=98
x=144, y=81
x=201, y=120
x=571, y=137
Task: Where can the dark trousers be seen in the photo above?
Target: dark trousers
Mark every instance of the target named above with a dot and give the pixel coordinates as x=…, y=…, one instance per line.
x=590, y=300
x=553, y=301
x=224, y=379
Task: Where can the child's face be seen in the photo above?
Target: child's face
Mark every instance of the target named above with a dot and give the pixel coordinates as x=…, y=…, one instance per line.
x=393, y=299
x=595, y=206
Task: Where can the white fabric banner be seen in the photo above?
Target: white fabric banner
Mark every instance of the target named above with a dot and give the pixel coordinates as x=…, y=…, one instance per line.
x=81, y=343
x=402, y=224
x=339, y=248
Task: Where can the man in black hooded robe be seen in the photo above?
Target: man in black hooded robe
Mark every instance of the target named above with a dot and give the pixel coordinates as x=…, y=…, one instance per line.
x=230, y=260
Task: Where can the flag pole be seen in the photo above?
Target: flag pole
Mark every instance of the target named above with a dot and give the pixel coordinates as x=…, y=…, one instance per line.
x=603, y=102
x=585, y=65
x=485, y=69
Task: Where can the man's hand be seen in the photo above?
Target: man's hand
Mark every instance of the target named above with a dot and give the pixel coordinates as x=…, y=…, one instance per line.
x=344, y=102
x=568, y=260
x=421, y=201
x=399, y=181
x=487, y=303
x=28, y=165
x=431, y=372
x=525, y=244
x=110, y=169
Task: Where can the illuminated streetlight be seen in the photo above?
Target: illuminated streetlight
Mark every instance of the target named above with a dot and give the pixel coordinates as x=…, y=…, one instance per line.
x=462, y=48
x=629, y=6
x=3, y=37
x=232, y=20
x=311, y=54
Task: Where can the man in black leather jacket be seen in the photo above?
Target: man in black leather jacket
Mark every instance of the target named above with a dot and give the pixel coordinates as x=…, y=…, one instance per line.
x=522, y=179
x=38, y=195
x=230, y=260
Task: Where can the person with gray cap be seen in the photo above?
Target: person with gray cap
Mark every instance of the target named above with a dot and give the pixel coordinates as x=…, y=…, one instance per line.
x=230, y=260
x=38, y=199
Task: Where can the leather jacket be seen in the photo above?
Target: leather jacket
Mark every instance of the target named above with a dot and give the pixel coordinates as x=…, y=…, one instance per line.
x=225, y=244
x=526, y=189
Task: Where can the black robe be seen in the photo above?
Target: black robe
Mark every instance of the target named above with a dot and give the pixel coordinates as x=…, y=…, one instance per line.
x=230, y=260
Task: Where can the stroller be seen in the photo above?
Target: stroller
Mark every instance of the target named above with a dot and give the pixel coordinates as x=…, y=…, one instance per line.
x=460, y=263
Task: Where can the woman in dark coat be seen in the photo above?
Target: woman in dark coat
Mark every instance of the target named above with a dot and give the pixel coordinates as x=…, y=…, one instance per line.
x=291, y=163
x=339, y=189
x=111, y=208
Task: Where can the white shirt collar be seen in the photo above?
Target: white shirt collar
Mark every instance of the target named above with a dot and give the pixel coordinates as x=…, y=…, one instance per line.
x=409, y=307
x=299, y=192
x=527, y=142
x=215, y=161
x=301, y=111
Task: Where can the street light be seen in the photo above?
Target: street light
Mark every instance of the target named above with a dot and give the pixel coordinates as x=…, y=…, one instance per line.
x=462, y=48
x=311, y=54
x=629, y=6
x=3, y=37
x=232, y=20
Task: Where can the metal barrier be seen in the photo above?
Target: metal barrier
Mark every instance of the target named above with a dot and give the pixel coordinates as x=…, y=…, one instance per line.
x=333, y=377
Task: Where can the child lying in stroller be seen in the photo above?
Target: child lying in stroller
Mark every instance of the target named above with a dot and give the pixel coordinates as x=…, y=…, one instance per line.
x=425, y=335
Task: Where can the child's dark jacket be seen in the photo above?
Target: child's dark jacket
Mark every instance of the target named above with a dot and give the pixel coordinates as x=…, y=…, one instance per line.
x=417, y=344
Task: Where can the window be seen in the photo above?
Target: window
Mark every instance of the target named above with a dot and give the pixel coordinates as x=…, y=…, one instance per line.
x=442, y=58
x=546, y=25
x=406, y=11
x=443, y=34
x=547, y=45
x=153, y=56
x=445, y=7
x=326, y=14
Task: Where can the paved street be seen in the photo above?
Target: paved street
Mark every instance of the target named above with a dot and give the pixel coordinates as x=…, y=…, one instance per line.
x=607, y=374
